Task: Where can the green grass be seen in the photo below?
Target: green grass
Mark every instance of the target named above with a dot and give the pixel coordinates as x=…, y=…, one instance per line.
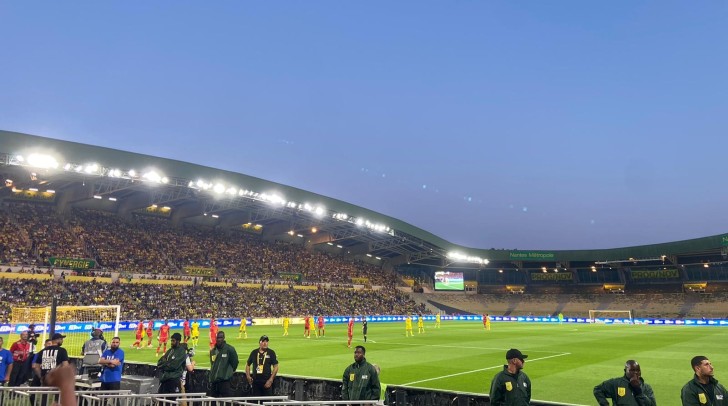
x=565, y=361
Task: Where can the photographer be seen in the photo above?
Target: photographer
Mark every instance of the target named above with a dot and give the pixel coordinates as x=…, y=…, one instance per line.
x=189, y=367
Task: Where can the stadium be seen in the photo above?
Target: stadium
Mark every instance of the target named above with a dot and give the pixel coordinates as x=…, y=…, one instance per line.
x=164, y=240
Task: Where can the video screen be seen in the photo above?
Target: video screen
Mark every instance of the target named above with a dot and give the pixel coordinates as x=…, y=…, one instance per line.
x=446, y=280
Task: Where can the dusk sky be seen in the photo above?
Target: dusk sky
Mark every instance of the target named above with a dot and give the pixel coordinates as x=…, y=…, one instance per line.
x=492, y=124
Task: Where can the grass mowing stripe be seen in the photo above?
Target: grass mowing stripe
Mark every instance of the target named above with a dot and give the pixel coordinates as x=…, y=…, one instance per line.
x=480, y=370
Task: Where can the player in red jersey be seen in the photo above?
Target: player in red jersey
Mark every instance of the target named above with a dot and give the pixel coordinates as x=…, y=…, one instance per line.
x=213, y=332
x=139, y=335
x=307, y=327
x=350, y=331
x=321, y=329
x=186, y=332
x=150, y=331
x=163, y=337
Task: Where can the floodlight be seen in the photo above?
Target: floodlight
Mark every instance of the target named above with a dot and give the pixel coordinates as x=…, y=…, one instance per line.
x=113, y=199
x=314, y=230
x=97, y=197
x=330, y=243
x=339, y=246
x=300, y=235
x=42, y=161
x=19, y=158
x=132, y=173
x=215, y=216
x=32, y=189
x=369, y=255
x=67, y=167
x=378, y=258
x=152, y=176
x=218, y=188
x=91, y=168
x=51, y=191
x=165, y=179
x=290, y=232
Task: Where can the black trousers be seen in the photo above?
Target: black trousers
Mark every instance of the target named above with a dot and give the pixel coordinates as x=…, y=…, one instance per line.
x=259, y=388
x=221, y=389
x=169, y=386
x=110, y=386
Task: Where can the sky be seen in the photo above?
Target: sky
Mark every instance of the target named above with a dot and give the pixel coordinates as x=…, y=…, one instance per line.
x=492, y=124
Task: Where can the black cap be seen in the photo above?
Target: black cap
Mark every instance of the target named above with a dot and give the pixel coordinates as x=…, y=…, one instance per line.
x=56, y=336
x=263, y=338
x=514, y=353
x=177, y=336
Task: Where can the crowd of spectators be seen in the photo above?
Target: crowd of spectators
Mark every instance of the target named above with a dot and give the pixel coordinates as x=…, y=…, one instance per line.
x=31, y=233
x=144, y=301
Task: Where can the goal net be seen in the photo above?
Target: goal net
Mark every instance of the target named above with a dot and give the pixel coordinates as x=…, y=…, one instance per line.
x=75, y=322
x=610, y=314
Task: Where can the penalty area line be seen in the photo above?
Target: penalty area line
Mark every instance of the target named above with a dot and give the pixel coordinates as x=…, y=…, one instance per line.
x=480, y=370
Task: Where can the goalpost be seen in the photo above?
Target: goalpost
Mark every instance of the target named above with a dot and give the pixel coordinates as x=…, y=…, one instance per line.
x=610, y=314
x=75, y=322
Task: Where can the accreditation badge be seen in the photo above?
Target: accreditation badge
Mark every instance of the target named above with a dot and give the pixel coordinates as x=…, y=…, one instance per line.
x=351, y=377
x=621, y=391
x=213, y=357
x=509, y=386
x=702, y=398
x=259, y=369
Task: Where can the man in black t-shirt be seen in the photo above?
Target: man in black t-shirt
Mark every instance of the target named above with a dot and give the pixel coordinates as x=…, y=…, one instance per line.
x=51, y=357
x=261, y=368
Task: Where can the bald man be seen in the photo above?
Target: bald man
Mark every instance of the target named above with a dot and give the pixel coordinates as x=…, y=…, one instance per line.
x=628, y=390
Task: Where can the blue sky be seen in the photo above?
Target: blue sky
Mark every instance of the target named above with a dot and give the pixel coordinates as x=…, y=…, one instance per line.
x=529, y=125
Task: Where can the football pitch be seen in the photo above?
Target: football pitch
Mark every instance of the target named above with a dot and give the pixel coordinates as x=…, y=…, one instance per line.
x=564, y=362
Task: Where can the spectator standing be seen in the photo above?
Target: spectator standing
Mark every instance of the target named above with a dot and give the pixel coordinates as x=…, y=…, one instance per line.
x=628, y=390
x=51, y=357
x=113, y=362
x=262, y=368
x=511, y=386
x=21, y=353
x=361, y=379
x=171, y=365
x=703, y=389
x=223, y=363
x=6, y=360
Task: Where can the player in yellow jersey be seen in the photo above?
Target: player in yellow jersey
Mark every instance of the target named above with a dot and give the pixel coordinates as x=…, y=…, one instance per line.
x=420, y=324
x=286, y=323
x=312, y=325
x=243, y=328
x=195, y=334
x=408, y=327
x=437, y=320
x=486, y=322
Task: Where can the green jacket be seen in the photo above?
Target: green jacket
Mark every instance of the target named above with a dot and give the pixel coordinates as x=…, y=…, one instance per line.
x=622, y=394
x=360, y=382
x=172, y=364
x=695, y=393
x=224, y=362
x=509, y=389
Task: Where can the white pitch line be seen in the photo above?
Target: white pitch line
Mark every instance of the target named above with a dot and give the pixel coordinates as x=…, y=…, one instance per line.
x=482, y=369
x=460, y=346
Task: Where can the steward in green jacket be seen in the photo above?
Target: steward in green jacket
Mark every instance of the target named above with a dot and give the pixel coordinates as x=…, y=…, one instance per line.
x=171, y=366
x=627, y=390
x=223, y=363
x=361, y=379
x=703, y=389
x=511, y=386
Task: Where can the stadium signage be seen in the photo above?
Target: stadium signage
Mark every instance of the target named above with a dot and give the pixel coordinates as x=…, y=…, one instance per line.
x=296, y=277
x=724, y=240
x=562, y=276
x=360, y=281
x=531, y=255
x=72, y=263
x=658, y=274
x=199, y=270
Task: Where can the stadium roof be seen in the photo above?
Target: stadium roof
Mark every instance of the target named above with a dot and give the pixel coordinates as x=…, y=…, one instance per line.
x=89, y=176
